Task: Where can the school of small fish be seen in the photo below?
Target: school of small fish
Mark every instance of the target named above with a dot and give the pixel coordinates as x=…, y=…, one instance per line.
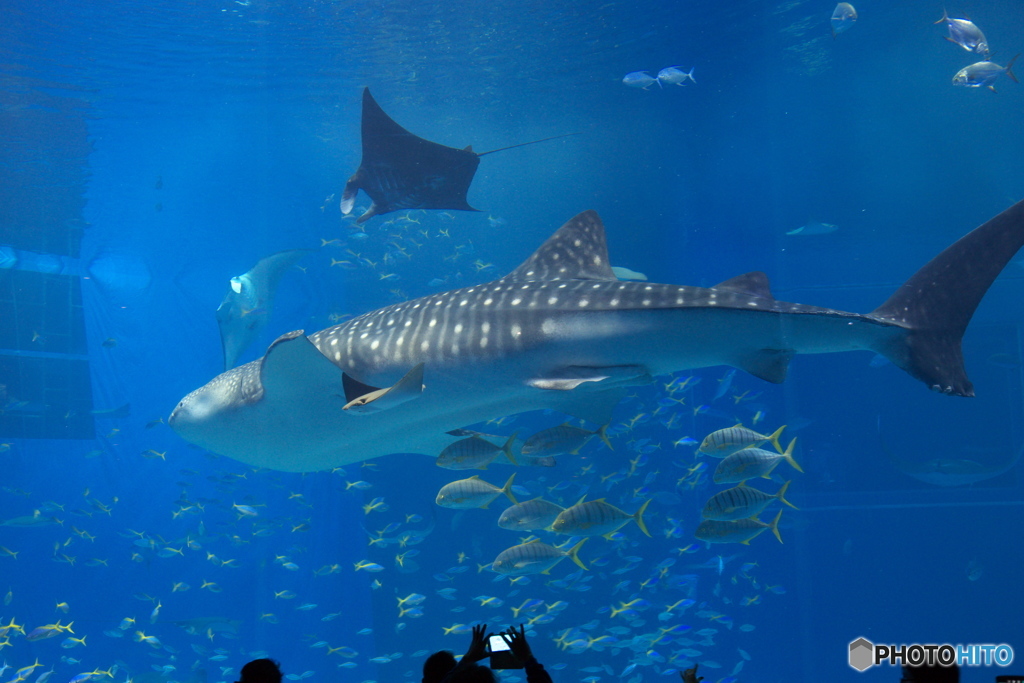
x=594, y=516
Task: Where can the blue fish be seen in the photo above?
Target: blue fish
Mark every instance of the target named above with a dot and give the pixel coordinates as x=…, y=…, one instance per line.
x=640, y=79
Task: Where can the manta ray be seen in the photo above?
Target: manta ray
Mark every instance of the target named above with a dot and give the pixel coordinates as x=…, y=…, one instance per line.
x=247, y=306
x=561, y=332
x=400, y=170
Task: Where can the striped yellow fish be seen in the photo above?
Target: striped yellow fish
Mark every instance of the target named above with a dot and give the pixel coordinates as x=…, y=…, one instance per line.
x=564, y=438
x=737, y=531
x=534, y=557
x=531, y=515
x=751, y=463
x=725, y=442
x=472, y=493
x=597, y=518
x=741, y=502
x=474, y=453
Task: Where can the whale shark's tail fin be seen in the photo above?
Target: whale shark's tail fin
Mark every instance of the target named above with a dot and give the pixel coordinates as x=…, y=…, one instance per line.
x=937, y=302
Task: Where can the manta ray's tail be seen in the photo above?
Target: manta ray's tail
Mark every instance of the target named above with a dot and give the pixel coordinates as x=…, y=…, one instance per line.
x=937, y=302
x=531, y=142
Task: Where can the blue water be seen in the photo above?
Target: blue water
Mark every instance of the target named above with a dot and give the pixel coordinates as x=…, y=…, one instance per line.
x=187, y=140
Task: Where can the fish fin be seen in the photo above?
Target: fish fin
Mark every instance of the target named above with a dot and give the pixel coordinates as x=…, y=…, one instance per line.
x=507, y=448
x=577, y=251
x=405, y=389
x=348, y=197
x=574, y=554
x=507, y=489
x=935, y=305
x=1009, y=68
x=639, y=517
x=774, y=438
x=788, y=456
x=746, y=542
x=754, y=283
x=290, y=356
x=771, y=365
x=774, y=526
x=781, y=495
x=945, y=17
x=582, y=498
x=603, y=433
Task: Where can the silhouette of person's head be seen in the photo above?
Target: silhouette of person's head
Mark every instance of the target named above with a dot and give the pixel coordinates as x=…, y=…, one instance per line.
x=475, y=673
x=261, y=671
x=437, y=666
x=931, y=673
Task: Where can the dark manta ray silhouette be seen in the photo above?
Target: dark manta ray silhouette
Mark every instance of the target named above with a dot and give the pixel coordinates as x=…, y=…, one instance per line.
x=400, y=170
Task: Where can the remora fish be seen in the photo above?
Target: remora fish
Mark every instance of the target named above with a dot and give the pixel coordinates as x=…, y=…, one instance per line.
x=561, y=332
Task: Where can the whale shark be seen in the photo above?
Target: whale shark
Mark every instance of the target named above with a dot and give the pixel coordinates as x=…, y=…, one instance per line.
x=561, y=332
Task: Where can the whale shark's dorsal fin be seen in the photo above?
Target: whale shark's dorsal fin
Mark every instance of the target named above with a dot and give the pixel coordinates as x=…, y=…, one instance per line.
x=754, y=283
x=291, y=362
x=577, y=251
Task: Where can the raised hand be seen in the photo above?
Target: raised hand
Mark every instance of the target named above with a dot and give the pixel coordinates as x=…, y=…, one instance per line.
x=517, y=643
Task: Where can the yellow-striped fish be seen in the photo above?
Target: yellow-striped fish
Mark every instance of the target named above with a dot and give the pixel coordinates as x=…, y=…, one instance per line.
x=530, y=515
x=751, y=463
x=474, y=453
x=597, y=518
x=534, y=557
x=737, y=531
x=741, y=502
x=725, y=442
x=564, y=438
x=473, y=493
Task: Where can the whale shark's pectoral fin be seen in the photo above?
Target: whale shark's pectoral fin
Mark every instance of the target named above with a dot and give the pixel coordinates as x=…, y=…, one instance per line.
x=771, y=365
x=375, y=400
x=569, y=378
x=292, y=364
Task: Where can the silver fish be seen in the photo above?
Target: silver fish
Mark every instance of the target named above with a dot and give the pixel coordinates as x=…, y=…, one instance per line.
x=530, y=515
x=751, y=463
x=472, y=493
x=534, y=557
x=983, y=74
x=843, y=18
x=724, y=442
x=640, y=79
x=474, y=452
x=738, y=531
x=674, y=75
x=964, y=33
x=597, y=518
x=563, y=438
x=741, y=502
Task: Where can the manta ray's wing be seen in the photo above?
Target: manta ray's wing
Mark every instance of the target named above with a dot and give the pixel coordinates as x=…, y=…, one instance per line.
x=246, y=307
x=400, y=170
